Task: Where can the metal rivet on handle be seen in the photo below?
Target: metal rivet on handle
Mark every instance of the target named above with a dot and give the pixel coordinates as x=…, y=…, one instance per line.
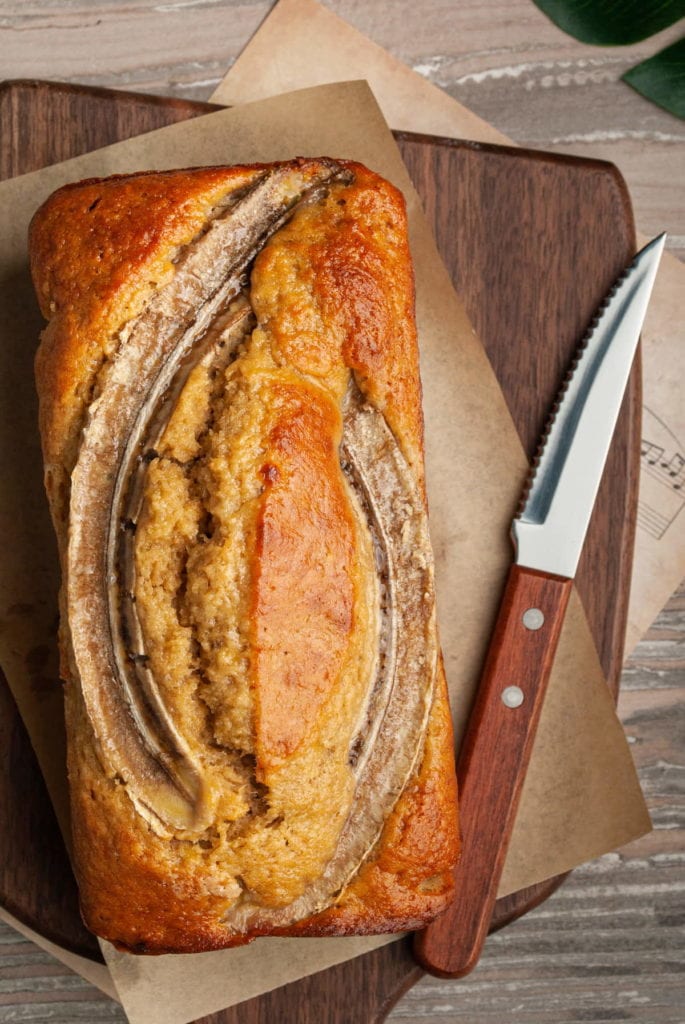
x=533, y=618
x=512, y=696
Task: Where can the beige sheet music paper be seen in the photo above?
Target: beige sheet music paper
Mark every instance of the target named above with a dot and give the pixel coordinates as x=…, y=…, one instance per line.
x=302, y=44
x=581, y=797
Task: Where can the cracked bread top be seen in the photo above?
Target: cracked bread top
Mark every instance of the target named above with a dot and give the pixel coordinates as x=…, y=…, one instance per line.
x=227, y=694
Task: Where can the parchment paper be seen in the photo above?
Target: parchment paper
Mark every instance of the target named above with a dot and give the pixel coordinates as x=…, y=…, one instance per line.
x=303, y=44
x=581, y=798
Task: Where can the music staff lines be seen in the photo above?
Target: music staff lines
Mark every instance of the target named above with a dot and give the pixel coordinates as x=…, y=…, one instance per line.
x=662, y=487
x=670, y=472
x=652, y=521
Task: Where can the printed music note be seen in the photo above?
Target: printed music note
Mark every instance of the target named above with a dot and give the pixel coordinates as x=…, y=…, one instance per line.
x=676, y=469
x=662, y=494
x=651, y=452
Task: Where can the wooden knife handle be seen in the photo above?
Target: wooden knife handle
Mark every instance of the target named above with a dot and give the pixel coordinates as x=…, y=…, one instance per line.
x=493, y=761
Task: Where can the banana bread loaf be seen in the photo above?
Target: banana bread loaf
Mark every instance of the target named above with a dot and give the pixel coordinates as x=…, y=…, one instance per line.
x=259, y=739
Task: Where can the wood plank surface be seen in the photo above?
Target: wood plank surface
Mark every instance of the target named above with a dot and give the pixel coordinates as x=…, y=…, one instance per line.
x=510, y=65
x=502, y=58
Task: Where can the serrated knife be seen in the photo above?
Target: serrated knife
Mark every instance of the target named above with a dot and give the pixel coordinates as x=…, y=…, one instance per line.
x=548, y=535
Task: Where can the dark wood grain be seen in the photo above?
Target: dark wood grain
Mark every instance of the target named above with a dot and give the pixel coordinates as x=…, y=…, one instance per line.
x=521, y=655
x=532, y=241
x=551, y=236
x=37, y=884
x=46, y=122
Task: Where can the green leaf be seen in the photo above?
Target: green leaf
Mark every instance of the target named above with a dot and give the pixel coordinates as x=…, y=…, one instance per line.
x=612, y=22
x=661, y=78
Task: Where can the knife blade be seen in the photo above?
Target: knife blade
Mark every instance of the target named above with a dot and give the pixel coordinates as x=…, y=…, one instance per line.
x=548, y=534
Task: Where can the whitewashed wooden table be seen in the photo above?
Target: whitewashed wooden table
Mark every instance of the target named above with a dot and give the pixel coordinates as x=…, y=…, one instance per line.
x=608, y=946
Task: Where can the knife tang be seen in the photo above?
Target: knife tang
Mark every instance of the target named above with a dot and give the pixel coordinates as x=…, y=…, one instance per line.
x=492, y=763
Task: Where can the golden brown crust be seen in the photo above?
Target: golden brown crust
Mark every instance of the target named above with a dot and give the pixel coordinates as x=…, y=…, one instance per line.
x=98, y=248
x=357, y=264
x=409, y=880
x=354, y=288
x=126, y=891
x=304, y=522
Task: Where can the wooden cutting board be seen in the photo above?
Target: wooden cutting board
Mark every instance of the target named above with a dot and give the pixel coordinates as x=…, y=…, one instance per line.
x=532, y=242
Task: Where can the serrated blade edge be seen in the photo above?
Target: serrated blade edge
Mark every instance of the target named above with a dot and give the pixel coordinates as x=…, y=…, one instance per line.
x=557, y=502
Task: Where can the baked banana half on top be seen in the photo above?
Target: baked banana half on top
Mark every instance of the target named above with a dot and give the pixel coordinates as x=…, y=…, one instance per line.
x=259, y=739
